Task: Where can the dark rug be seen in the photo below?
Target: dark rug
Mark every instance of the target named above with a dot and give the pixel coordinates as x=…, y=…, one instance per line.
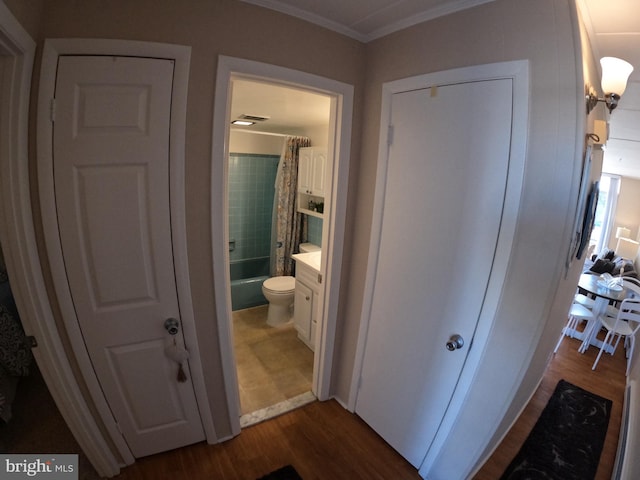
x=284, y=473
x=566, y=442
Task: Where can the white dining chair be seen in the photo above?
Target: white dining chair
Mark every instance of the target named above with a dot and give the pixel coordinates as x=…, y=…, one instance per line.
x=633, y=285
x=589, y=303
x=577, y=314
x=626, y=324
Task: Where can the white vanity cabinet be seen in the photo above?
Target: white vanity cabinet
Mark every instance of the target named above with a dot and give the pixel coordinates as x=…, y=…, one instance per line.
x=311, y=178
x=306, y=299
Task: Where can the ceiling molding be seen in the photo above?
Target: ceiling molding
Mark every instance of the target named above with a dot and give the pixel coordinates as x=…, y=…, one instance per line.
x=424, y=16
x=309, y=17
x=419, y=17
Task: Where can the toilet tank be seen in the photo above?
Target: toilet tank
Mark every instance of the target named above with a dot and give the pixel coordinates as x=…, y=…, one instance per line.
x=309, y=247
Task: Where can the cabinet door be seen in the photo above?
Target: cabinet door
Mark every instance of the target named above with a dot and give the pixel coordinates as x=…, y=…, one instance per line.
x=303, y=308
x=304, y=170
x=319, y=162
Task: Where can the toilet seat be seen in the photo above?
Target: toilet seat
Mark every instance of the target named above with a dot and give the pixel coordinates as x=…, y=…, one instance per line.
x=280, y=285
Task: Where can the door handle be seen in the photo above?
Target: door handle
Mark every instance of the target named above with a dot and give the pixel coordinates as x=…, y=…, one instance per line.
x=455, y=342
x=172, y=325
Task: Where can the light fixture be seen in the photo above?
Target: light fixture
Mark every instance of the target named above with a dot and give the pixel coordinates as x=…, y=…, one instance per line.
x=623, y=232
x=244, y=123
x=615, y=73
x=627, y=248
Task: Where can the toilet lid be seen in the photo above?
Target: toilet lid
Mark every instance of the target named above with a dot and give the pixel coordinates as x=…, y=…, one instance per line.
x=280, y=284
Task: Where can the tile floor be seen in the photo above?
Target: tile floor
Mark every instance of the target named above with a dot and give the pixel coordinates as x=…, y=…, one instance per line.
x=273, y=365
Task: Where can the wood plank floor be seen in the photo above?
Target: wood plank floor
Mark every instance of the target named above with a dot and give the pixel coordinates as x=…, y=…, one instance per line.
x=608, y=381
x=324, y=441
x=321, y=440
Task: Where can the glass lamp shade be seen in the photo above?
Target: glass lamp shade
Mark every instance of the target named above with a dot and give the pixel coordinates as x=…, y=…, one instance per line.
x=615, y=73
x=623, y=232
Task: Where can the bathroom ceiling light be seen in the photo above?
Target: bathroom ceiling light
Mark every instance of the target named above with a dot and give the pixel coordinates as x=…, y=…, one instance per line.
x=615, y=73
x=244, y=123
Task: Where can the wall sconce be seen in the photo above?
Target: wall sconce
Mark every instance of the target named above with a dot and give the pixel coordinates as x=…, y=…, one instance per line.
x=615, y=73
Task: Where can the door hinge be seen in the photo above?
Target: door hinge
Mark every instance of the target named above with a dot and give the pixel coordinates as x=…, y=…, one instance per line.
x=31, y=341
x=52, y=110
x=319, y=278
x=390, y=132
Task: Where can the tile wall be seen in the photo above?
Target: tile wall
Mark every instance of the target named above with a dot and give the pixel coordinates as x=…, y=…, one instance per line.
x=251, y=192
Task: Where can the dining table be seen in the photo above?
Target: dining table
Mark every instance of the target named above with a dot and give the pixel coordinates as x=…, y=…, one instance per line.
x=604, y=294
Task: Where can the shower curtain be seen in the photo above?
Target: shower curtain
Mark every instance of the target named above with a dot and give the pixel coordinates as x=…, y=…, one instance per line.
x=289, y=226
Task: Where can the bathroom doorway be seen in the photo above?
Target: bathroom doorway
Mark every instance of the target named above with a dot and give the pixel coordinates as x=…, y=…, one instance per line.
x=274, y=364
x=336, y=134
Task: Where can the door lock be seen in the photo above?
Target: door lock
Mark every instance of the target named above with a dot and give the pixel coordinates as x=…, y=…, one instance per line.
x=455, y=342
x=172, y=325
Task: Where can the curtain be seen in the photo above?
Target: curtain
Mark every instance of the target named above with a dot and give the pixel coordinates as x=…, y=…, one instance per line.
x=289, y=224
x=607, y=206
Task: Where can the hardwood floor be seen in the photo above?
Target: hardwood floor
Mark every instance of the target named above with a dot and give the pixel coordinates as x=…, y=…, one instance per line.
x=324, y=441
x=608, y=381
x=321, y=440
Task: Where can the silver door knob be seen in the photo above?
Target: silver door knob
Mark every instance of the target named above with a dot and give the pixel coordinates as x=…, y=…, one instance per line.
x=172, y=325
x=455, y=342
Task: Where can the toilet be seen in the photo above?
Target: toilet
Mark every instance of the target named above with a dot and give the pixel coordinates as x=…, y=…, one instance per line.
x=279, y=291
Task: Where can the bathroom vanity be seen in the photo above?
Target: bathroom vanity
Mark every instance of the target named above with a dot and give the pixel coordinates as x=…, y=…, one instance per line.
x=307, y=294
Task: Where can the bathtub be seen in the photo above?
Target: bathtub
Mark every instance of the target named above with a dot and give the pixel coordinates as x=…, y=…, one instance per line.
x=246, y=282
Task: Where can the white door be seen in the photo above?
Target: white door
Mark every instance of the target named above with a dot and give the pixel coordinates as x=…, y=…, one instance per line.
x=445, y=190
x=111, y=176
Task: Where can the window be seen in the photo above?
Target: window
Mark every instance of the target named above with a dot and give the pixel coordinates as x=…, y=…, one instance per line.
x=609, y=188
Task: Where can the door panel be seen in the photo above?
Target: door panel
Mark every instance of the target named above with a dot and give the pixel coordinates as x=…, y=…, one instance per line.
x=111, y=175
x=444, y=196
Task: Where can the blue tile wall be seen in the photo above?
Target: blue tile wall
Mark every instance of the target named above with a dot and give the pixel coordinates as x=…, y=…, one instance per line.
x=251, y=192
x=314, y=230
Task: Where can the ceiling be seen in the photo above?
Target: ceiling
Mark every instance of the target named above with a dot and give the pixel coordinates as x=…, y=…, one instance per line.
x=288, y=110
x=613, y=26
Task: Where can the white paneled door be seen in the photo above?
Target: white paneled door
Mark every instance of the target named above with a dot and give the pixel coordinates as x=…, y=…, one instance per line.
x=443, y=202
x=111, y=140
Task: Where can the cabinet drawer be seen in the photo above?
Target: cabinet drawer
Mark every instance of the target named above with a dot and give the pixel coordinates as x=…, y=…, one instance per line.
x=307, y=275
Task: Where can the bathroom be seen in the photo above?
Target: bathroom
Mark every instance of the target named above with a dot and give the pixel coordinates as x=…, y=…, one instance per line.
x=274, y=363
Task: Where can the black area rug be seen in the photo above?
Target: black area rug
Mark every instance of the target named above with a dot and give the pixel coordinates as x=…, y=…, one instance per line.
x=284, y=473
x=566, y=442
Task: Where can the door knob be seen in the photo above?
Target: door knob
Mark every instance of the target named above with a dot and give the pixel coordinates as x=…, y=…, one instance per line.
x=455, y=342
x=172, y=325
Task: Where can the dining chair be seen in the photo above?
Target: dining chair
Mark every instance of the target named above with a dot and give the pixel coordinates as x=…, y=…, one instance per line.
x=577, y=314
x=589, y=303
x=632, y=284
x=626, y=324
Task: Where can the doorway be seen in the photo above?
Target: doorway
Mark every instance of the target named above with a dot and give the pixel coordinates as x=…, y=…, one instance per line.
x=274, y=364
x=338, y=139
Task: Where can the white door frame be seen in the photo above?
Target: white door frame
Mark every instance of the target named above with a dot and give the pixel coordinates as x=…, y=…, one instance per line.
x=181, y=56
x=18, y=239
x=339, y=146
x=518, y=71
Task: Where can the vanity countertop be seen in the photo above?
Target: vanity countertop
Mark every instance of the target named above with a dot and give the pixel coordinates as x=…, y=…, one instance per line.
x=311, y=259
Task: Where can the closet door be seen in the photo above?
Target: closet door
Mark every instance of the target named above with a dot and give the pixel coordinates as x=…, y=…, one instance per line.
x=443, y=203
x=111, y=140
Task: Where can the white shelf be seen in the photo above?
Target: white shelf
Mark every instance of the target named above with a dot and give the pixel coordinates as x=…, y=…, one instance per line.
x=311, y=212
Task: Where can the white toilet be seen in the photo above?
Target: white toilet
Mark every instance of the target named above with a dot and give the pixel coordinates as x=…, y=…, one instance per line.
x=279, y=291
